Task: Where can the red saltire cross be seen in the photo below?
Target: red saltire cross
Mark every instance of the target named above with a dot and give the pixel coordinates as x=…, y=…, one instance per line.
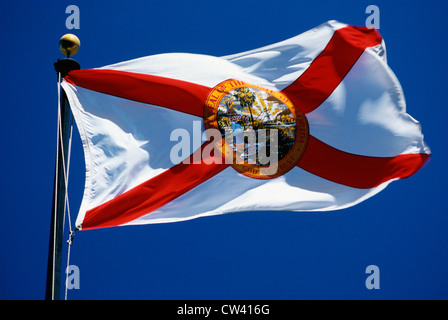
x=307, y=93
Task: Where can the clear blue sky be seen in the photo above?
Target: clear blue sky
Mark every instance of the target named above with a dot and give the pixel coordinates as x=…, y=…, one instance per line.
x=403, y=230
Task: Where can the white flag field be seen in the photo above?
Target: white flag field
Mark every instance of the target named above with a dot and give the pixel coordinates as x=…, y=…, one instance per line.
x=313, y=123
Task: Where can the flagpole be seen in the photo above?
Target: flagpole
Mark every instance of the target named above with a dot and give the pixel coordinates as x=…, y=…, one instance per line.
x=69, y=45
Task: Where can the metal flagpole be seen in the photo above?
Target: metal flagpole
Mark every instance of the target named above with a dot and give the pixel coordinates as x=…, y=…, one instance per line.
x=69, y=45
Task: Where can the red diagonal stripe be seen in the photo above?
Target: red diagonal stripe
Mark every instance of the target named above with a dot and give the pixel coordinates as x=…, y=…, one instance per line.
x=325, y=73
x=154, y=193
x=355, y=170
x=174, y=94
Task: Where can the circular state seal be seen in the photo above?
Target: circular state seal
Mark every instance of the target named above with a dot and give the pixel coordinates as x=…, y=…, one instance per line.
x=263, y=134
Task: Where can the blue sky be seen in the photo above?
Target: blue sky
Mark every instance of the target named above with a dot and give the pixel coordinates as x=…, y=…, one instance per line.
x=403, y=230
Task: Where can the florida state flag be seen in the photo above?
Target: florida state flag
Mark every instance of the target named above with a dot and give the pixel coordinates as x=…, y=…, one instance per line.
x=316, y=122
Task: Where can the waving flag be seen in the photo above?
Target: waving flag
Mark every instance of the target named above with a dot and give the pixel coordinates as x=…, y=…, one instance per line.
x=158, y=132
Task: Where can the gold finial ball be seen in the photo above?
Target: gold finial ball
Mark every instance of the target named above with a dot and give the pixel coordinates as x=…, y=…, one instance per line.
x=69, y=44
